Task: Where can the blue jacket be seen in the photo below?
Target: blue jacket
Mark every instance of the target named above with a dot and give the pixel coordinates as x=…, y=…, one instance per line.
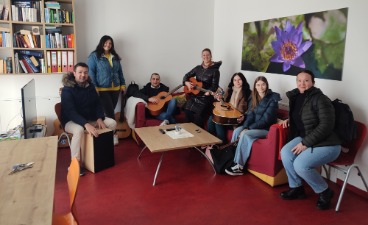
x=264, y=114
x=102, y=74
x=79, y=104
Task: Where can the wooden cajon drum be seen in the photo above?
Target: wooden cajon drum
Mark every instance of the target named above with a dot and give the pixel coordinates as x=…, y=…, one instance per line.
x=98, y=153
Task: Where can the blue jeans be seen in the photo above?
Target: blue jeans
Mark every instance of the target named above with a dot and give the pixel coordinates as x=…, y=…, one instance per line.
x=303, y=166
x=217, y=129
x=246, y=140
x=170, y=110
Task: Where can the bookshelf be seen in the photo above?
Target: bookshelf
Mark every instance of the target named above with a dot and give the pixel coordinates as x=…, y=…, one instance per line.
x=37, y=37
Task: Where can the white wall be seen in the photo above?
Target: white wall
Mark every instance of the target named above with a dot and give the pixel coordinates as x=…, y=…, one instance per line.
x=228, y=35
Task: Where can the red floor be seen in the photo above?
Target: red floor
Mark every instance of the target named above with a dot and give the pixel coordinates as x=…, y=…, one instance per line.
x=188, y=192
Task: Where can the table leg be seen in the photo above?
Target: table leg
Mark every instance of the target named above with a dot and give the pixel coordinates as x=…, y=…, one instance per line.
x=139, y=156
x=199, y=150
x=158, y=169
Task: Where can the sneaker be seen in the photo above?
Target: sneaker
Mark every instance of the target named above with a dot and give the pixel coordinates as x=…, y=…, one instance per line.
x=82, y=171
x=116, y=139
x=235, y=170
x=165, y=122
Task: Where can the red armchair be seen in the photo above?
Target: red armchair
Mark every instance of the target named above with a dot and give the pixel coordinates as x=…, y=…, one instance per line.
x=264, y=160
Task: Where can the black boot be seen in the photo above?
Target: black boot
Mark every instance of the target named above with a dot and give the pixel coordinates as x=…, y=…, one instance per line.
x=293, y=193
x=324, y=199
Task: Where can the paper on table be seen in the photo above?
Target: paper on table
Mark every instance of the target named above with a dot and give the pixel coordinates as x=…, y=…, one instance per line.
x=183, y=134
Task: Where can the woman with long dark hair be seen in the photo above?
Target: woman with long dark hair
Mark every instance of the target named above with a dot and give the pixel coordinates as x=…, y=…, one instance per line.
x=238, y=95
x=106, y=73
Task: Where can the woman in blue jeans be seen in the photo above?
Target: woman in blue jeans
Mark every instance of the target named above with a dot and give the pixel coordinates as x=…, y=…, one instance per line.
x=313, y=142
x=261, y=115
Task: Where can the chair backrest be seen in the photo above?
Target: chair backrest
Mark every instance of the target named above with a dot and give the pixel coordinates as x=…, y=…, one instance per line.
x=58, y=110
x=354, y=146
x=73, y=179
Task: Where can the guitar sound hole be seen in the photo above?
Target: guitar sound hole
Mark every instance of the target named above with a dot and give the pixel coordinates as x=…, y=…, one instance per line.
x=162, y=97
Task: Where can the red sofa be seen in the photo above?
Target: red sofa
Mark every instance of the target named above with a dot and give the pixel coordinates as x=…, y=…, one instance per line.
x=264, y=161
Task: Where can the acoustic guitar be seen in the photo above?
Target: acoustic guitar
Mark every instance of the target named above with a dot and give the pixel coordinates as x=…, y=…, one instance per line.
x=197, y=87
x=122, y=128
x=223, y=113
x=163, y=97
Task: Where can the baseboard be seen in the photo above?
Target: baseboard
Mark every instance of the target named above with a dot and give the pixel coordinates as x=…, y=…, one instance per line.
x=353, y=189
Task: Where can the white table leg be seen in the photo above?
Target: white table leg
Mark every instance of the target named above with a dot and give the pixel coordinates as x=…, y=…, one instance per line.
x=199, y=150
x=158, y=169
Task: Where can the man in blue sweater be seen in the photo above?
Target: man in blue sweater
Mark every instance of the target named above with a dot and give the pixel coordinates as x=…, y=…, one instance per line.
x=81, y=108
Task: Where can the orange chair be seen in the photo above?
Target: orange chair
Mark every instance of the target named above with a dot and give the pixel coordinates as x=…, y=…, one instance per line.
x=73, y=179
x=345, y=162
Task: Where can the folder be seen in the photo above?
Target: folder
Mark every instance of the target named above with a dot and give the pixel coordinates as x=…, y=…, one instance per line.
x=58, y=61
x=48, y=61
x=70, y=60
x=54, y=68
x=64, y=61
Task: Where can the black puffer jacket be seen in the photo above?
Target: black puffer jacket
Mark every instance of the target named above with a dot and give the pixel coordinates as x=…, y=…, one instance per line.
x=210, y=78
x=79, y=104
x=318, y=128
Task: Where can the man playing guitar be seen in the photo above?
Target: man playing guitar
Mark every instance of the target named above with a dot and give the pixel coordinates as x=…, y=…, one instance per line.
x=149, y=92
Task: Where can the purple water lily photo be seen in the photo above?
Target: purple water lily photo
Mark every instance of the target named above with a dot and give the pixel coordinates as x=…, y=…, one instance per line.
x=313, y=41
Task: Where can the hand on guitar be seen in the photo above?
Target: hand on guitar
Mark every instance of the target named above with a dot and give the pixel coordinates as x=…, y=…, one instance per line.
x=189, y=85
x=240, y=119
x=153, y=100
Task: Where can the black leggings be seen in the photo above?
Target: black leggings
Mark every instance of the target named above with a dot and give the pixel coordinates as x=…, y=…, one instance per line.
x=109, y=99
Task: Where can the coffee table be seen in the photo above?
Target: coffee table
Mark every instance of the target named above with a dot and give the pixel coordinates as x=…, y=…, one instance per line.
x=156, y=141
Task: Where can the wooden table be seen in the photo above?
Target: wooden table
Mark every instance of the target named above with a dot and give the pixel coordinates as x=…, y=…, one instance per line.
x=26, y=197
x=155, y=141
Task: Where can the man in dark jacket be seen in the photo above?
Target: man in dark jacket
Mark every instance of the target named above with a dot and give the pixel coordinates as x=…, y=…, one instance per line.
x=150, y=92
x=81, y=108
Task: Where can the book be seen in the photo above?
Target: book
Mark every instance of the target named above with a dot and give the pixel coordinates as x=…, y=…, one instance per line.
x=48, y=61
x=23, y=66
x=9, y=65
x=27, y=66
x=30, y=63
x=34, y=60
x=33, y=53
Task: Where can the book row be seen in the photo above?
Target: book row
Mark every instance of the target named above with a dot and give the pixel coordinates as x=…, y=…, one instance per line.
x=58, y=16
x=6, y=65
x=26, y=11
x=34, y=62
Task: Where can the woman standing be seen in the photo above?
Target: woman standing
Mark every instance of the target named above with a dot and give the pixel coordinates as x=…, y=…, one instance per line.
x=312, y=140
x=238, y=94
x=197, y=106
x=107, y=74
x=261, y=115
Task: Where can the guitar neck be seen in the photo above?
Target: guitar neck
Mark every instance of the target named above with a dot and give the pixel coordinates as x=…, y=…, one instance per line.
x=173, y=90
x=204, y=90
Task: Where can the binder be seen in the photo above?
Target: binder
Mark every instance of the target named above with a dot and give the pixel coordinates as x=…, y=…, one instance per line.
x=54, y=68
x=58, y=61
x=70, y=60
x=48, y=61
x=64, y=61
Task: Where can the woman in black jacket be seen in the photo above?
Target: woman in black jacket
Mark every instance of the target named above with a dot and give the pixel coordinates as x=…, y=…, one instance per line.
x=313, y=142
x=198, y=106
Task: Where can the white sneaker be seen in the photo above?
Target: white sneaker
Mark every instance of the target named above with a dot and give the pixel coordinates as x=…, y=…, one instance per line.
x=116, y=139
x=165, y=122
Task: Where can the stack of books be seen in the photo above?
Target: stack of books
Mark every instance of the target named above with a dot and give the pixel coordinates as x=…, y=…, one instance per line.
x=27, y=39
x=29, y=62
